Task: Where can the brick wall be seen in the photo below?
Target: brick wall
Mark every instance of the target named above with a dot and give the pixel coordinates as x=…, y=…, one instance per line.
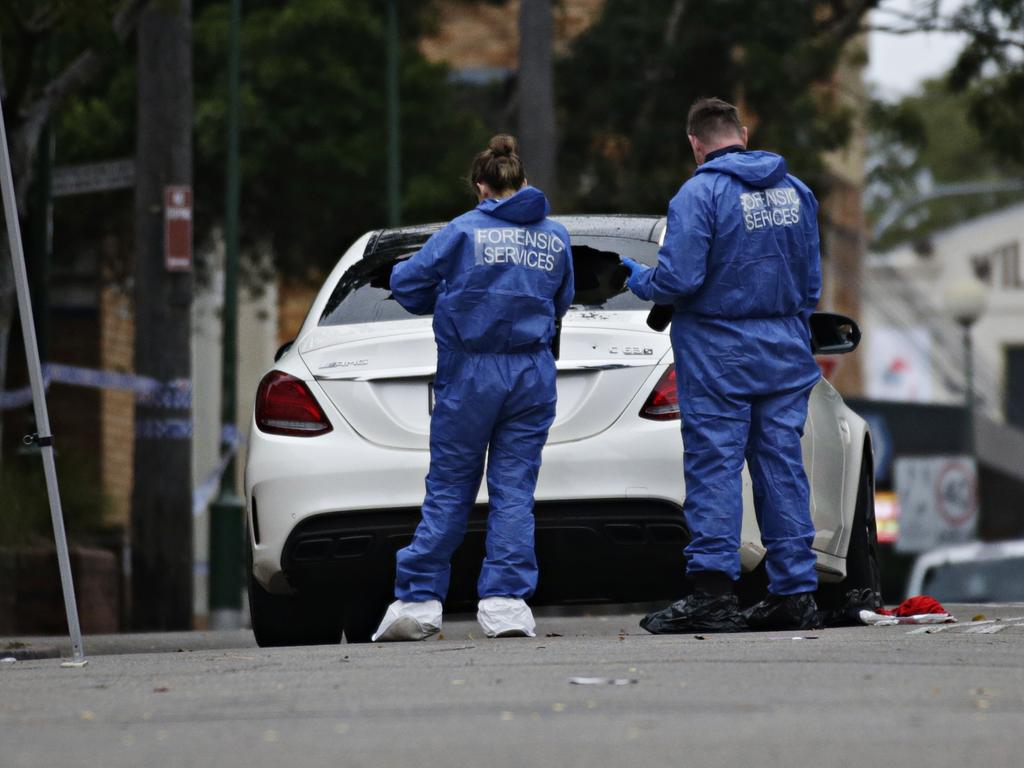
x=117, y=408
x=474, y=35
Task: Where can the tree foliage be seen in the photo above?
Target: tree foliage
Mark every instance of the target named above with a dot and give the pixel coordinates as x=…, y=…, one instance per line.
x=990, y=68
x=629, y=81
x=313, y=147
x=920, y=145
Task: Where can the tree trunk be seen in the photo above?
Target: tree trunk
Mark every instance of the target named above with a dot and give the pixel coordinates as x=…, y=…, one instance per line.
x=162, y=496
x=537, y=139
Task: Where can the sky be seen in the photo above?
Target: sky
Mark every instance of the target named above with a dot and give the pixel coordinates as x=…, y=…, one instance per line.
x=898, y=64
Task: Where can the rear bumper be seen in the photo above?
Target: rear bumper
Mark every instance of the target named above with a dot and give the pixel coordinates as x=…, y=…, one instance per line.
x=594, y=551
x=291, y=481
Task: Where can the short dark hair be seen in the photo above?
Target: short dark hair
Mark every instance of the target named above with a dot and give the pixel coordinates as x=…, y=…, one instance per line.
x=711, y=118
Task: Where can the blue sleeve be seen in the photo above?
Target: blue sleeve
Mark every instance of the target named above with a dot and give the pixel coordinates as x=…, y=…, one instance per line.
x=567, y=290
x=814, y=269
x=683, y=257
x=416, y=282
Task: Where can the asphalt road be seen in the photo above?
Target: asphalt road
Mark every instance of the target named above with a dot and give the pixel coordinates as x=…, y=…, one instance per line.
x=865, y=696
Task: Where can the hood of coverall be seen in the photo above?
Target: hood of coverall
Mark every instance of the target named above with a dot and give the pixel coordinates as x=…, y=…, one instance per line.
x=524, y=207
x=758, y=169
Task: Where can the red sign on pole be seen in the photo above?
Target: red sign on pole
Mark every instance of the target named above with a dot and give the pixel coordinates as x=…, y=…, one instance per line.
x=178, y=229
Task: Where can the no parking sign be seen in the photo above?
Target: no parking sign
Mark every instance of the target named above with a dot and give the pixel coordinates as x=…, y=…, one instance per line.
x=938, y=501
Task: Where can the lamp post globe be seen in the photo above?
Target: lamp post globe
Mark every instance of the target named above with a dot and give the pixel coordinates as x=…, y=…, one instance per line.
x=965, y=299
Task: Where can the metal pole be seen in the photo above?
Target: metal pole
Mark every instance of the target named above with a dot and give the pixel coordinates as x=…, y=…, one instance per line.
x=35, y=376
x=394, y=125
x=228, y=510
x=968, y=388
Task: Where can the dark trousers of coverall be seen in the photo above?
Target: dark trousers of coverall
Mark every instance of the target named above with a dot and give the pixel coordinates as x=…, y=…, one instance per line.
x=730, y=414
x=493, y=407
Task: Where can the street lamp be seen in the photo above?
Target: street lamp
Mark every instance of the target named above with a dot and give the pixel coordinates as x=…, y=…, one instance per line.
x=227, y=513
x=965, y=300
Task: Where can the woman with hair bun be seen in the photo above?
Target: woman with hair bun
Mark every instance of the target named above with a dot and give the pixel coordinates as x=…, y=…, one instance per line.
x=495, y=279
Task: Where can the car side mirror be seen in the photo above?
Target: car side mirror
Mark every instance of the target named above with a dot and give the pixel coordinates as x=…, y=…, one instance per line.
x=282, y=349
x=833, y=334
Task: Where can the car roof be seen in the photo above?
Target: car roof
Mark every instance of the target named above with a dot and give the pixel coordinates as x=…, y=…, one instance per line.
x=648, y=228
x=977, y=551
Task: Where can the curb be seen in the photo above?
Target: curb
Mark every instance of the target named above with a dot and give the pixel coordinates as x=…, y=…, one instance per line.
x=31, y=654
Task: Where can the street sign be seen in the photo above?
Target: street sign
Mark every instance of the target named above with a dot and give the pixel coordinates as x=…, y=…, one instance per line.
x=938, y=501
x=93, y=177
x=178, y=229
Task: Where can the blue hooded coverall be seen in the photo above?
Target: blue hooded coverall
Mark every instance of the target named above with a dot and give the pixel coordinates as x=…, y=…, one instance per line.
x=741, y=265
x=495, y=279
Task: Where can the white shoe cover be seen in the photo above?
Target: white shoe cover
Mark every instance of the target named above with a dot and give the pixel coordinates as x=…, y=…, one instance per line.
x=409, y=621
x=505, y=617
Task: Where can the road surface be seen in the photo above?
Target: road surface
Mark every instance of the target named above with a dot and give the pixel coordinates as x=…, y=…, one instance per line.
x=865, y=696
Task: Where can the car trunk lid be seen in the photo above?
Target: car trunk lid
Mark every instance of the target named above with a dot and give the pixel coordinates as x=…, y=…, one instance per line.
x=379, y=377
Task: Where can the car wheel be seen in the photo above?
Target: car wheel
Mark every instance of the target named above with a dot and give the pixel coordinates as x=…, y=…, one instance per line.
x=363, y=615
x=295, y=619
x=862, y=568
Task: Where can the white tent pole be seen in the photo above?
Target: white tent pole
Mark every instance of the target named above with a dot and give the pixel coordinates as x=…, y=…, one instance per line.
x=35, y=376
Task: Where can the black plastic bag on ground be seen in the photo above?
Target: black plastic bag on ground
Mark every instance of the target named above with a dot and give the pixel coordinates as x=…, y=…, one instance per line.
x=697, y=612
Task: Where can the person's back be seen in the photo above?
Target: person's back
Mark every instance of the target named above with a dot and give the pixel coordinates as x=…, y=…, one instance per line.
x=505, y=267
x=762, y=275
x=766, y=234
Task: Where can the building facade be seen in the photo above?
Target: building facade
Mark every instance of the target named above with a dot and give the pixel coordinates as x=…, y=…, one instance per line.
x=915, y=349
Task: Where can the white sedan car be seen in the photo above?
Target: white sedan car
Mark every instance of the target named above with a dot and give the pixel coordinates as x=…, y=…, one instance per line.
x=339, y=451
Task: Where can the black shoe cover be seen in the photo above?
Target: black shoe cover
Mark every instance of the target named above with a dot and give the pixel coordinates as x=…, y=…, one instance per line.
x=788, y=612
x=699, y=612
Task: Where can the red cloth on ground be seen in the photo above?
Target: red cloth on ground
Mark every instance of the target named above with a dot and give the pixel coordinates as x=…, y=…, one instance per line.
x=914, y=606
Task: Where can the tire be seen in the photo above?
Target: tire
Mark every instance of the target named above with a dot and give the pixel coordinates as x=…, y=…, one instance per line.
x=295, y=619
x=862, y=568
x=363, y=615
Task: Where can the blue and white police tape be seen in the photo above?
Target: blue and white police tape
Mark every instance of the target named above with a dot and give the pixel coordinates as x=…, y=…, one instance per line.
x=203, y=494
x=175, y=394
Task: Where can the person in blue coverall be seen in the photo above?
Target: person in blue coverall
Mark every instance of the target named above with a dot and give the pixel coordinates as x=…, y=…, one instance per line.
x=741, y=266
x=495, y=279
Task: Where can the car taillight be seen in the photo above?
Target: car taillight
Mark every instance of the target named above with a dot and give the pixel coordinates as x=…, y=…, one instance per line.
x=663, y=404
x=285, y=406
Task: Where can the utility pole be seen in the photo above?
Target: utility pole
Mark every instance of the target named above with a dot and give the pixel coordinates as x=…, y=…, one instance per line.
x=161, y=533
x=228, y=510
x=537, y=139
x=394, y=122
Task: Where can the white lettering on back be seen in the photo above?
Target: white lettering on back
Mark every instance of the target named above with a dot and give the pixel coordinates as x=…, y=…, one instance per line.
x=775, y=207
x=519, y=246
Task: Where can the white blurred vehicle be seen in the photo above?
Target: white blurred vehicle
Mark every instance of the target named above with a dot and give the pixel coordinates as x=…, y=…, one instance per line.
x=339, y=451
x=980, y=572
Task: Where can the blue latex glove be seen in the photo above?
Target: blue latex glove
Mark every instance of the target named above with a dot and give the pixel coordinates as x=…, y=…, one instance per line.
x=635, y=270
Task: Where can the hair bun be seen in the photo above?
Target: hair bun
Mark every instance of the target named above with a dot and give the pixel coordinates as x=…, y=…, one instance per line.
x=502, y=145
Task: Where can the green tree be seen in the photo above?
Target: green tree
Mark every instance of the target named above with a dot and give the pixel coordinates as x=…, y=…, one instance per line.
x=51, y=51
x=629, y=80
x=920, y=146
x=312, y=146
x=989, y=70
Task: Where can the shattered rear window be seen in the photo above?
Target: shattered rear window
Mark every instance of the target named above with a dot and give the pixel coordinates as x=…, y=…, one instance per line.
x=362, y=294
